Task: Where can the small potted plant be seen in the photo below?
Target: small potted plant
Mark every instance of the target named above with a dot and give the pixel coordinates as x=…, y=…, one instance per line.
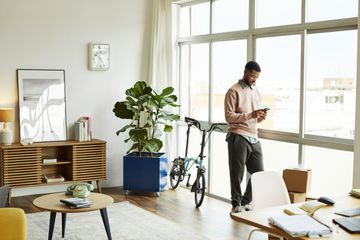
x=144, y=165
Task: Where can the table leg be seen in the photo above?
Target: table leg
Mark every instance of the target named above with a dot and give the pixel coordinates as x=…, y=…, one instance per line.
x=63, y=224
x=98, y=186
x=105, y=219
x=52, y=222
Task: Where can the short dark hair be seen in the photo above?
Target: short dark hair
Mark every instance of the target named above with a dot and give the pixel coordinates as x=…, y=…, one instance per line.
x=252, y=65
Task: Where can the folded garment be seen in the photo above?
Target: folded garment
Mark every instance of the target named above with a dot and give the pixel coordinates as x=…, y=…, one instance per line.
x=300, y=225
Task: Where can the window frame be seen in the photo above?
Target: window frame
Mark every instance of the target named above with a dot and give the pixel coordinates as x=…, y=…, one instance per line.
x=304, y=29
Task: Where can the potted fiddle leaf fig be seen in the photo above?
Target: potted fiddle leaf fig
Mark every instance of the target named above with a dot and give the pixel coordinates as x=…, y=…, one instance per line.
x=149, y=117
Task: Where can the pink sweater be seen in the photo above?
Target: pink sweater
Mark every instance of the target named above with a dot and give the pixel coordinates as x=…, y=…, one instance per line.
x=240, y=101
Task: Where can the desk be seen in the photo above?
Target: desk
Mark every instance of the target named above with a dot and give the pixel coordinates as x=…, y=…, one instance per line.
x=259, y=218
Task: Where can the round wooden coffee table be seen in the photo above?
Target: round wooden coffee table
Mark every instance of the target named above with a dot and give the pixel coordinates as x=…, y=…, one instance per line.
x=51, y=202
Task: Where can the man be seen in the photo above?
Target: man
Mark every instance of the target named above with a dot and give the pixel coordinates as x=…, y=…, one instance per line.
x=242, y=114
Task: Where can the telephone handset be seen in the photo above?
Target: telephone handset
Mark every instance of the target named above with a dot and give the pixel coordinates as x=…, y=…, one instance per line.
x=81, y=190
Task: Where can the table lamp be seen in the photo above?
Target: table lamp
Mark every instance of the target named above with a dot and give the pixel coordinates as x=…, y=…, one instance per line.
x=6, y=116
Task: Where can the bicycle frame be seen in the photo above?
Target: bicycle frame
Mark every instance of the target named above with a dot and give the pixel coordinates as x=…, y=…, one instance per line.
x=182, y=166
x=201, y=156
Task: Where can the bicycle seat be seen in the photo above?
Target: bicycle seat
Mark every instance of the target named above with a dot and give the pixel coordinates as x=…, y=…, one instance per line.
x=192, y=121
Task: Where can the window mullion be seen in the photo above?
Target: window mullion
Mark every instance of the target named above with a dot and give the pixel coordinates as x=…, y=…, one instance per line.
x=302, y=97
x=251, y=48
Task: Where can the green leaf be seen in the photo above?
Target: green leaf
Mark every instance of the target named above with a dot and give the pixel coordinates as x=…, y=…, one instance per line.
x=139, y=89
x=170, y=99
x=152, y=103
x=169, y=116
x=130, y=100
x=147, y=90
x=157, y=99
x=138, y=134
x=121, y=110
x=173, y=105
x=143, y=98
x=153, y=145
x=167, y=91
x=133, y=147
x=168, y=128
x=124, y=128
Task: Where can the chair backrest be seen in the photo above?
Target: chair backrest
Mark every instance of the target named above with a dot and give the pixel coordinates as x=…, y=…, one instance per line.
x=268, y=190
x=4, y=193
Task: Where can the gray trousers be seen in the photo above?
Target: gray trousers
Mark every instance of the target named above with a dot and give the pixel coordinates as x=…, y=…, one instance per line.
x=242, y=153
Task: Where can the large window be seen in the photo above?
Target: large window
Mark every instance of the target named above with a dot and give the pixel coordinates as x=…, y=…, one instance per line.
x=228, y=57
x=331, y=84
x=195, y=84
x=280, y=80
x=307, y=51
x=230, y=15
x=277, y=12
x=319, y=10
x=220, y=182
x=331, y=171
x=286, y=157
x=194, y=20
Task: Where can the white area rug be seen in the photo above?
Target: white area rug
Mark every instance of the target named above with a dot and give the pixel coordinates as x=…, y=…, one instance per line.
x=127, y=222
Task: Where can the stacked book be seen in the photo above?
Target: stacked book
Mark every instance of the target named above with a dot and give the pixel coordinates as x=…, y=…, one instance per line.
x=83, y=129
x=76, y=202
x=49, y=160
x=53, y=177
x=309, y=207
x=355, y=192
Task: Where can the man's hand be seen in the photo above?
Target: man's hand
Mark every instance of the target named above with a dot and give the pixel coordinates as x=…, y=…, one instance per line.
x=259, y=114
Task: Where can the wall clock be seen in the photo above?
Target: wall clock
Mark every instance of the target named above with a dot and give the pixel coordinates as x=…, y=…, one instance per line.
x=99, y=56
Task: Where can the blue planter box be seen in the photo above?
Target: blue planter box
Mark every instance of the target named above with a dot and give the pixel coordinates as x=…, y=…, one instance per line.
x=145, y=173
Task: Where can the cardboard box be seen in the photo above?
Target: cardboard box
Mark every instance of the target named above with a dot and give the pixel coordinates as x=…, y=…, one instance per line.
x=297, y=180
x=297, y=197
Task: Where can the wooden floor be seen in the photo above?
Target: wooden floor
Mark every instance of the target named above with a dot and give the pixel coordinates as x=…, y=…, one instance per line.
x=211, y=219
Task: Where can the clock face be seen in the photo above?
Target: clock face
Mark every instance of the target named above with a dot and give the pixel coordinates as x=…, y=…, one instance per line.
x=99, y=57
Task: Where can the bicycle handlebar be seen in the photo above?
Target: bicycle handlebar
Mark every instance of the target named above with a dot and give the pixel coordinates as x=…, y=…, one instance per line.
x=196, y=123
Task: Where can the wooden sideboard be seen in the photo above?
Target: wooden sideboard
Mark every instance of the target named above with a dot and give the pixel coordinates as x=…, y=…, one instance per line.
x=23, y=166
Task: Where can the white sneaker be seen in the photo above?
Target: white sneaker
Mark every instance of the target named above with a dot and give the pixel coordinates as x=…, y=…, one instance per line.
x=247, y=207
x=237, y=209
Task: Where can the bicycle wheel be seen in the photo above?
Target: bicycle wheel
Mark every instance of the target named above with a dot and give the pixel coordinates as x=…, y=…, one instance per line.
x=199, y=188
x=176, y=174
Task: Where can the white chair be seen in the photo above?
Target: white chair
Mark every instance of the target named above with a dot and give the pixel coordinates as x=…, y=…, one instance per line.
x=268, y=190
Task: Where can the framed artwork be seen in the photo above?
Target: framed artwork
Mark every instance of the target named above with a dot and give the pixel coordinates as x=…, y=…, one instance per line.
x=99, y=56
x=42, y=105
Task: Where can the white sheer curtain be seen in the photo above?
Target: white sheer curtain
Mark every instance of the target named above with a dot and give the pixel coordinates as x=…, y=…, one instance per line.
x=160, y=69
x=160, y=64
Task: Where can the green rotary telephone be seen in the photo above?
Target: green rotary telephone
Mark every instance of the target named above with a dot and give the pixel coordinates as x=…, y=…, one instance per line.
x=80, y=190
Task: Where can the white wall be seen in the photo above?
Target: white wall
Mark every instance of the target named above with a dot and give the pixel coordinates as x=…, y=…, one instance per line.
x=48, y=34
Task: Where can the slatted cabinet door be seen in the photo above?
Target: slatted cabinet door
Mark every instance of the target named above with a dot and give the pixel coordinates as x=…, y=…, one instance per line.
x=89, y=162
x=22, y=166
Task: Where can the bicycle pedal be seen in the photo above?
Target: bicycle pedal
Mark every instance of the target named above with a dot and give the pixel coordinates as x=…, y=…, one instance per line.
x=187, y=182
x=193, y=188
